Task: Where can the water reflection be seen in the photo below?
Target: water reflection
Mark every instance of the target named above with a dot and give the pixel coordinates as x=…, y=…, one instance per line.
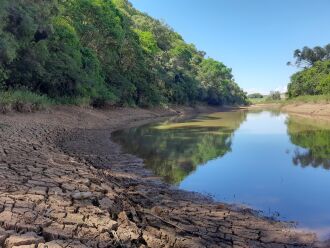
x=314, y=138
x=173, y=150
x=267, y=160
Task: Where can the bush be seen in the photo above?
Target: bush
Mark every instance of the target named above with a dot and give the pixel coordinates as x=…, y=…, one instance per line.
x=255, y=95
x=274, y=95
x=22, y=101
x=311, y=81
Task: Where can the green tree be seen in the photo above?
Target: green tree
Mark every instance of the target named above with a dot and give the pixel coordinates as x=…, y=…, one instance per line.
x=105, y=51
x=255, y=95
x=307, y=57
x=311, y=81
x=217, y=84
x=275, y=95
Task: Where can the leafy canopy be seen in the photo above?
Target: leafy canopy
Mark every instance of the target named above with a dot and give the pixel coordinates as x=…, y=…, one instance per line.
x=314, y=79
x=106, y=52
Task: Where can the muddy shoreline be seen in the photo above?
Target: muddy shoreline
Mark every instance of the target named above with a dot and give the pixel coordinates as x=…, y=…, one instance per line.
x=64, y=183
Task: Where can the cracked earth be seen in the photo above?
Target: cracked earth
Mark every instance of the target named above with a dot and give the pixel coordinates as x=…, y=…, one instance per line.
x=64, y=183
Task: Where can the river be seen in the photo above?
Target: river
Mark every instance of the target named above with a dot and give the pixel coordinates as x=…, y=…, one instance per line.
x=270, y=161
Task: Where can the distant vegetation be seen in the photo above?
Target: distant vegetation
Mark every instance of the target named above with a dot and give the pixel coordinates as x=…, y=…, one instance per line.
x=311, y=84
x=255, y=95
x=314, y=79
x=275, y=95
x=103, y=52
x=308, y=57
x=310, y=99
x=293, y=100
x=272, y=97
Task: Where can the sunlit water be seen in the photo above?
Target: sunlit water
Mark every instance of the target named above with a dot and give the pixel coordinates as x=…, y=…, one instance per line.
x=272, y=162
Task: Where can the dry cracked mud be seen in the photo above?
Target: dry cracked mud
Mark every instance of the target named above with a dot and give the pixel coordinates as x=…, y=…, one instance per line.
x=64, y=183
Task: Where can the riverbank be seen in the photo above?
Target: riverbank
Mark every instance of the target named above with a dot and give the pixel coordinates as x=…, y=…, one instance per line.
x=64, y=183
x=311, y=110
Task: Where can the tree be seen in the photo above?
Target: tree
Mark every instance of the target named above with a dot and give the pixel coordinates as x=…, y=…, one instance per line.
x=307, y=57
x=275, y=95
x=105, y=51
x=218, y=85
x=311, y=81
x=255, y=95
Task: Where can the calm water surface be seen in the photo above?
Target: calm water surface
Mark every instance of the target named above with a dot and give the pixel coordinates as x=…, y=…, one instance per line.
x=270, y=161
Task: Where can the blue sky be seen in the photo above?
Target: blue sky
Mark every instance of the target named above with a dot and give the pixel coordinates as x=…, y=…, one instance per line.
x=254, y=37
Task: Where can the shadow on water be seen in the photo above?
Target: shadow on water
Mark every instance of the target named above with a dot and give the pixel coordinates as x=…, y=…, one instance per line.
x=173, y=150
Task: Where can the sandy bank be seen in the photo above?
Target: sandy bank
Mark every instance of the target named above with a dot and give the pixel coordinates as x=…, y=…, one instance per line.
x=64, y=183
x=313, y=110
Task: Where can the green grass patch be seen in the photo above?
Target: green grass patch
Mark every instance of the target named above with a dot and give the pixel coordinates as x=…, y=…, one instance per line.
x=264, y=100
x=310, y=99
x=295, y=100
x=22, y=101
x=27, y=101
x=257, y=100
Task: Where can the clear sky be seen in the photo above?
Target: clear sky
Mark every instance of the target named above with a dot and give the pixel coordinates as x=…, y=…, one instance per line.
x=254, y=37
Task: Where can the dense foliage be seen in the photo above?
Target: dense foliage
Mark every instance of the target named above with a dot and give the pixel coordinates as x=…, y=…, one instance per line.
x=314, y=79
x=105, y=51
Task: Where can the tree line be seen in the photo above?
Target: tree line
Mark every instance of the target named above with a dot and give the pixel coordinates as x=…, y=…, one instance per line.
x=314, y=78
x=106, y=52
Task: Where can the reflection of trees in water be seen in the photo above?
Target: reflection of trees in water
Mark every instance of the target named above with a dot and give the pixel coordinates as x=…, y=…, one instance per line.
x=316, y=141
x=307, y=158
x=175, y=152
x=274, y=111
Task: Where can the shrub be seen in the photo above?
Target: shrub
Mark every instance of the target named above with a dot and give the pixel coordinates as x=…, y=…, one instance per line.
x=23, y=101
x=311, y=81
x=255, y=95
x=275, y=95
